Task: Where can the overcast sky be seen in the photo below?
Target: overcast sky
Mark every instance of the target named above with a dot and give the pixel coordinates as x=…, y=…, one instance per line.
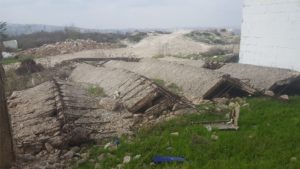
x=103, y=14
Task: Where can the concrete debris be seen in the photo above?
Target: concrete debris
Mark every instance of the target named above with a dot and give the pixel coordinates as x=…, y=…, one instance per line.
x=279, y=81
x=109, y=104
x=68, y=46
x=138, y=94
x=284, y=97
x=195, y=82
x=232, y=124
x=56, y=115
x=126, y=159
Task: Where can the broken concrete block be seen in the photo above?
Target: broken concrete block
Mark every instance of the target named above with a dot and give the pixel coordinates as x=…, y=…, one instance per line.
x=195, y=82
x=284, y=97
x=109, y=104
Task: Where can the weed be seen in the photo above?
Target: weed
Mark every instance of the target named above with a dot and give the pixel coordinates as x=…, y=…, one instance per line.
x=96, y=91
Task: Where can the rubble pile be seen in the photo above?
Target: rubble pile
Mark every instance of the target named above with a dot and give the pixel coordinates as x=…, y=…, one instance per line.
x=196, y=82
x=68, y=46
x=265, y=79
x=51, y=117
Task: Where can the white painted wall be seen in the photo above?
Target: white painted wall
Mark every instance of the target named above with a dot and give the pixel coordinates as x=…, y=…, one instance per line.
x=271, y=33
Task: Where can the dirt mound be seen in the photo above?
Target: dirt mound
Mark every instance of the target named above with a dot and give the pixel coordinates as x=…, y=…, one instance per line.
x=68, y=46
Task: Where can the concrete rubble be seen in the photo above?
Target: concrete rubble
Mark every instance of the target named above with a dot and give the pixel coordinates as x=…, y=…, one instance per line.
x=137, y=93
x=279, y=81
x=56, y=115
x=196, y=82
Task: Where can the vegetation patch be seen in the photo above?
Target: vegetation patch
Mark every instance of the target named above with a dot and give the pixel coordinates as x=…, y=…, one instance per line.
x=12, y=60
x=96, y=91
x=221, y=37
x=172, y=86
x=268, y=138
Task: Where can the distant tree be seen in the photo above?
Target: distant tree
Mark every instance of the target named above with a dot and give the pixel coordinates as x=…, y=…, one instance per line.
x=2, y=36
x=72, y=32
x=2, y=30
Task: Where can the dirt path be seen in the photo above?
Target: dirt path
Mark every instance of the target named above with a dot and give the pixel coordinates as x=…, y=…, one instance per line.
x=166, y=44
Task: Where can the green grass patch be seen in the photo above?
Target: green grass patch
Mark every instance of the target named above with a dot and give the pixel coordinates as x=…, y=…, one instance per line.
x=172, y=86
x=268, y=138
x=96, y=91
x=12, y=60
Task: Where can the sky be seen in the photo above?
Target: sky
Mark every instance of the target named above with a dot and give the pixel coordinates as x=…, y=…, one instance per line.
x=122, y=14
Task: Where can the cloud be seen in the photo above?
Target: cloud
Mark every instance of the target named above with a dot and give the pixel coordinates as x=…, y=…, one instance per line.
x=124, y=13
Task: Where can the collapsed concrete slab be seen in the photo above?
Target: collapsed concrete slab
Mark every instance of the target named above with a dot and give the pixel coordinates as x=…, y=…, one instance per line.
x=137, y=93
x=194, y=81
x=280, y=81
x=58, y=115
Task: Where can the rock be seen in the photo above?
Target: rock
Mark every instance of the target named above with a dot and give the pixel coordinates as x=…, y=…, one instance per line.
x=97, y=166
x=269, y=93
x=49, y=147
x=70, y=154
x=76, y=149
x=284, y=97
x=106, y=146
x=175, y=134
x=126, y=159
x=85, y=156
x=137, y=157
x=109, y=104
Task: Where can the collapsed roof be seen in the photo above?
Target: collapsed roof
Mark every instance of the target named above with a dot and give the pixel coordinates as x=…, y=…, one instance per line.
x=280, y=81
x=138, y=94
x=194, y=81
x=60, y=115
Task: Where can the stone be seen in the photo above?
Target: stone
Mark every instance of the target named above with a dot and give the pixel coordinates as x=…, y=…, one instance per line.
x=126, y=159
x=76, y=149
x=284, y=97
x=49, y=147
x=70, y=154
x=137, y=157
x=109, y=104
x=175, y=134
x=269, y=93
x=85, y=156
x=107, y=145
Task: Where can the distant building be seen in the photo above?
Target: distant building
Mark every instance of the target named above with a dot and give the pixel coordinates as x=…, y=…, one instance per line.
x=271, y=33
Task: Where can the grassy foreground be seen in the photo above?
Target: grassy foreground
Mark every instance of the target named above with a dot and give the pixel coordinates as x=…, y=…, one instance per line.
x=269, y=138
